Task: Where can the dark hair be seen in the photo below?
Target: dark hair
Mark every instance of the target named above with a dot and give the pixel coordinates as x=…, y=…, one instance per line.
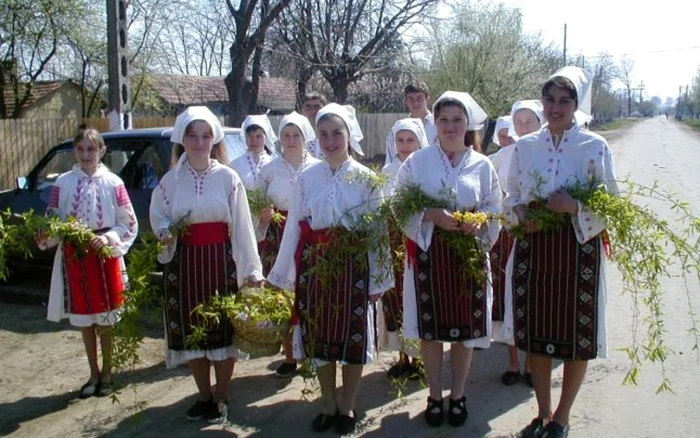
x=471, y=138
x=314, y=95
x=218, y=150
x=252, y=128
x=563, y=83
x=90, y=134
x=416, y=87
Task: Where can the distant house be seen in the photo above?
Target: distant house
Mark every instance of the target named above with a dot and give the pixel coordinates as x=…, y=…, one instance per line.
x=48, y=100
x=278, y=95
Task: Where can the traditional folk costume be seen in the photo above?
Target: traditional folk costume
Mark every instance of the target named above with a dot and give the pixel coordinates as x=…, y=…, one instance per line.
x=503, y=122
x=501, y=250
x=249, y=170
x=440, y=302
x=314, y=148
x=389, y=325
x=214, y=255
x=430, y=134
x=335, y=323
x=277, y=180
x=84, y=287
x=558, y=277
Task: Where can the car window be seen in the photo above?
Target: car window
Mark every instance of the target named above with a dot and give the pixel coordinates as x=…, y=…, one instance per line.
x=149, y=169
x=63, y=160
x=235, y=147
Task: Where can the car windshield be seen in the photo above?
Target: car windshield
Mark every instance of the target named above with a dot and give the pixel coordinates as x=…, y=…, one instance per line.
x=235, y=147
x=63, y=160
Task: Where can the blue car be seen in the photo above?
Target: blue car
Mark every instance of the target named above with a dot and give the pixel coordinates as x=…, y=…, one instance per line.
x=139, y=156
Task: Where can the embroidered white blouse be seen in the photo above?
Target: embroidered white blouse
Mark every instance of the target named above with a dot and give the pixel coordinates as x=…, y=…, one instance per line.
x=538, y=168
x=328, y=199
x=217, y=195
x=472, y=185
x=100, y=202
x=249, y=172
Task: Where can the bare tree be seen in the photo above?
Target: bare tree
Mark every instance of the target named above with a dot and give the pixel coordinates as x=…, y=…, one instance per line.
x=248, y=37
x=347, y=39
x=624, y=75
x=196, y=39
x=30, y=34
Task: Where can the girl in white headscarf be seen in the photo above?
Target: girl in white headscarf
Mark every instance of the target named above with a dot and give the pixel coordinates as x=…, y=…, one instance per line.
x=501, y=131
x=407, y=136
x=260, y=140
x=525, y=118
x=558, y=302
x=441, y=303
x=216, y=255
x=336, y=324
x=277, y=180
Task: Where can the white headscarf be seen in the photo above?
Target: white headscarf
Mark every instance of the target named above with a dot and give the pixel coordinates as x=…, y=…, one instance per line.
x=409, y=124
x=581, y=80
x=347, y=114
x=264, y=123
x=301, y=122
x=194, y=113
x=475, y=113
x=533, y=105
x=502, y=122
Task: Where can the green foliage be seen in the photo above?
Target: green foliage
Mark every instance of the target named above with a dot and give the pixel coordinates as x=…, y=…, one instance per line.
x=645, y=249
x=142, y=302
x=257, y=200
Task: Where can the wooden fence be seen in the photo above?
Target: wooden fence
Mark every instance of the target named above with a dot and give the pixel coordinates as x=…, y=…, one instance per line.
x=23, y=142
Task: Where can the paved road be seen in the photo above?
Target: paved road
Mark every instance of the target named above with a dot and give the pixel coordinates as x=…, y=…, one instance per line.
x=42, y=362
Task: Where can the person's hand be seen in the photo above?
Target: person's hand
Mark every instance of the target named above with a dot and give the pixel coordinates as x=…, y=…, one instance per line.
x=266, y=214
x=470, y=228
x=40, y=238
x=374, y=298
x=98, y=242
x=561, y=202
x=442, y=218
x=166, y=238
x=521, y=212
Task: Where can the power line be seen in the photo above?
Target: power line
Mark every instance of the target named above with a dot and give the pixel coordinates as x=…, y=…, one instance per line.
x=650, y=52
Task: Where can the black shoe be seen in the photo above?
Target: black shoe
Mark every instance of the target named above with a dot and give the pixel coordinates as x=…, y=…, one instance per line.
x=397, y=370
x=435, y=412
x=555, y=430
x=323, y=422
x=217, y=412
x=528, y=380
x=533, y=430
x=510, y=378
x=414, y=372
x=345, y=424
x=89, y=389
x=286, y=369
x=458, y=418
x=199, y=410
x=104, y=388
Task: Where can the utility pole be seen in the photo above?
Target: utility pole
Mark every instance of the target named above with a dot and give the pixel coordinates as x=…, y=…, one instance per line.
x=118, y=66
x=678, y=105
x=565, y=44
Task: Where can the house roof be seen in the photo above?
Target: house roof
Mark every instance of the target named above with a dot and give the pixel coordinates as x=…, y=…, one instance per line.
x=38, y=90
x=274, y=93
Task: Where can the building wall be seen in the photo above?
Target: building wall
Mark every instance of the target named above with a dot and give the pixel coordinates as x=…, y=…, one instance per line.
x=64, y=103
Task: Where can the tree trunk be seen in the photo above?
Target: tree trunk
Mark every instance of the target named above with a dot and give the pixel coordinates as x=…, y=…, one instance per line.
x=304, y=73
x=252, y=91
x=235, y=83
x=340, y=89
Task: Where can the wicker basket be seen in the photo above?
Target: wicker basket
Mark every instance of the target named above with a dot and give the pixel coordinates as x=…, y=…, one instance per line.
x=259, y=341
